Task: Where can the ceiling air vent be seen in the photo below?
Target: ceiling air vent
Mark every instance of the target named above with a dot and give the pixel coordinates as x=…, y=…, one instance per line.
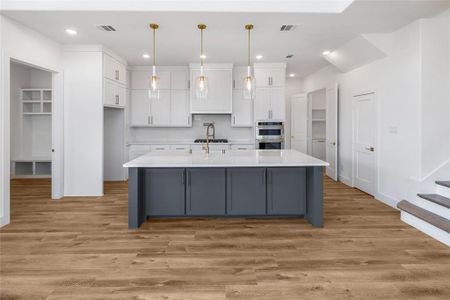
x=287, y=27
x=103, y=27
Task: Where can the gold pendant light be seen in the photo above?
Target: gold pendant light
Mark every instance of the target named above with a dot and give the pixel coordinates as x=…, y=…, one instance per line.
x=249, y=80
x=201, y=84
x=153, y=91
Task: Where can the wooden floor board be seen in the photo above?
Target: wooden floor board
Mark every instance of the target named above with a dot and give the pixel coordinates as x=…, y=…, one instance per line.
x=80, y=248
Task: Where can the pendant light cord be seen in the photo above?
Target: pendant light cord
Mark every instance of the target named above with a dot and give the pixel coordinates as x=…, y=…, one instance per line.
x=154, y=46
x=201, y=47
x=248, y=57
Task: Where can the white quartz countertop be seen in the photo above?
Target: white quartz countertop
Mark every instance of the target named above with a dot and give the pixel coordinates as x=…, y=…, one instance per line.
x=231, y=158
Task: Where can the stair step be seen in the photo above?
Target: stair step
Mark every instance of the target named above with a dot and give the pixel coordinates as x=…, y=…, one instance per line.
x=438, y=199
x=433, y=219
x=444, y=183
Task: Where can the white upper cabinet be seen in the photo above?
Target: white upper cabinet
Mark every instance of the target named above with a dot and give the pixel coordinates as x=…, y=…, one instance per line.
x=139, y=108
x=277, y=104
x=219, y=99
x=262, y=104
x=172, y=109
x=160, y=109
x=180, y=80
x=180, y=111
x=114, y=94
x=270, y=95
x=114, y=70
x=270, y=75
x=140, y=79
x=242, y=110
x=239, y=77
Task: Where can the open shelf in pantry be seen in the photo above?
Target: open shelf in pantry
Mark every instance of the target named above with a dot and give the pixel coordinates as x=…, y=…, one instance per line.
x=36, y=101
x=29, y=168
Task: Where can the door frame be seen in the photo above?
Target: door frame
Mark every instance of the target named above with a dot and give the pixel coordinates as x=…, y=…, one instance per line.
x=5, y=129
x=376, y=142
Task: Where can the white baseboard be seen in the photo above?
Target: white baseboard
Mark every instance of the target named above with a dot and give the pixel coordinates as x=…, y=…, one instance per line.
x=431, y=230
x=4, y=220
x=345, y=180
x=386, y=199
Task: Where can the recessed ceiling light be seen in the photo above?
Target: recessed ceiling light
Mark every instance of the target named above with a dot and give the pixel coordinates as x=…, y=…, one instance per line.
x=326, y=52
x=71, y=31
x=203, y=56
x=146, y=56
x=259, y=56
x=292, y=75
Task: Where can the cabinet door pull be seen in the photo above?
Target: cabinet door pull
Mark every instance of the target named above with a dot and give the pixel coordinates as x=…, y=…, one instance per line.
x=117, y=74
x=117, y=99
x=151, y=120
x=189, y=120
x=189, y=84
x=234, y=120
x=234, y=83
x=182, y=178
x=268, y=81
x=148, y=119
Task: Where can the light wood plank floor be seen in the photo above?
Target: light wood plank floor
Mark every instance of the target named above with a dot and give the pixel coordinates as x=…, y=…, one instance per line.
x=80, y=248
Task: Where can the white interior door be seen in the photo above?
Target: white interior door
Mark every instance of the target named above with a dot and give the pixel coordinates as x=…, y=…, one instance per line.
x=332, y=131
x=364, y=166
x=299, y=123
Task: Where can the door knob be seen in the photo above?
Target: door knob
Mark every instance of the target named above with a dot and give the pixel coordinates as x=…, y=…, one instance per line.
x=371, y=149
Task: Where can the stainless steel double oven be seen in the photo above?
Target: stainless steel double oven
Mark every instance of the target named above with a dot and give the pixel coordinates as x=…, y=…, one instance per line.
x=269, y=135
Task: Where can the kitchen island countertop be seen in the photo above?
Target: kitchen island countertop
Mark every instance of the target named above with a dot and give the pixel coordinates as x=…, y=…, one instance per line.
x=231, y=158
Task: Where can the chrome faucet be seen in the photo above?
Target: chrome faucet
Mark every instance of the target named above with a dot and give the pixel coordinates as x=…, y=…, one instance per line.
x=208, y=135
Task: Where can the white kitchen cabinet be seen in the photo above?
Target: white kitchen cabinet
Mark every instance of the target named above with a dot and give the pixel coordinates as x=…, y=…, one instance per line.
x=114, y=70
x=180, y=147
x=179, y=80
x=242, y=110
x=160, y=109
x=219, y=99
x=270, y=75
x=139, y=108
x=239, y=75
x=269, y=104
x=114, y=94
x=159, y=147
x=180, y=111
x=242, y=146
x=140, y=79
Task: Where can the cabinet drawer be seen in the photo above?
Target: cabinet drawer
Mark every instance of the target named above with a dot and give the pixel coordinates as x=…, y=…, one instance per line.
x=114, y=70
x=159, y=147
x=140, y=148
x=243, y=147
x=180, y=147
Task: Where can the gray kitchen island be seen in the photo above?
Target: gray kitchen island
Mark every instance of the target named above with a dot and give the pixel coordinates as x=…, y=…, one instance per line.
x=237, y=183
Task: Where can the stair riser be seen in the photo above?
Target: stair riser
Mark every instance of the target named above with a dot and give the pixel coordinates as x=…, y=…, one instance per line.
x=427, y=228
x=443, y=191
x=432, y=207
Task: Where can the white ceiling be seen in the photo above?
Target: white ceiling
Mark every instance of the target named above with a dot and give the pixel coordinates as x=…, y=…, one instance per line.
x=225, y=37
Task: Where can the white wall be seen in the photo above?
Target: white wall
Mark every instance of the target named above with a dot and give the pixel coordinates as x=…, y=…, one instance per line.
x=23, y=44
x=402, y=93
x=435, y=110
x=83, y=123
x=293, y=86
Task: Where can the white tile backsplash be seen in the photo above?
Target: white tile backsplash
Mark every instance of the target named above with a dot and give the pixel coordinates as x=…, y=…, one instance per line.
x=222, y=124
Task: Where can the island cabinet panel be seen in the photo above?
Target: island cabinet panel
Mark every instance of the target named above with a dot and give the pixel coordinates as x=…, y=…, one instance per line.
x=246, y=191
x=286, y=191
x=205, y=191
x=164, y=192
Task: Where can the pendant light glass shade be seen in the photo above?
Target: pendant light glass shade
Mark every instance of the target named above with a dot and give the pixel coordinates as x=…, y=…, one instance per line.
x=153, y=90
x=201, y=83
x=249, y=80
x=201, y=86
